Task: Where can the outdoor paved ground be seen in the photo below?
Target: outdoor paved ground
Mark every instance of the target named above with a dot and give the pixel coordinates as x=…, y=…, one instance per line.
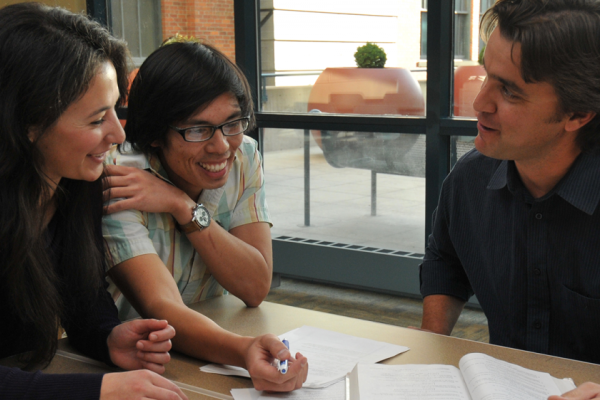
x=340, y=204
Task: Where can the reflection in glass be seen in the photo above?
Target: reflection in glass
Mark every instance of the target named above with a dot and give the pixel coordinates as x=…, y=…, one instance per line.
x=459, y=146
x=301, y=40
x=468, y=73
x=138, y=23
x=359, y=188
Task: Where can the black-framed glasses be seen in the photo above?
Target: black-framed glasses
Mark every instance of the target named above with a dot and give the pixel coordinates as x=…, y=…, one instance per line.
x=202, y=133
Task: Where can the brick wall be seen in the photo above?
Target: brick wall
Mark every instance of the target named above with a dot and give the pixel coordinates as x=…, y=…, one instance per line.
x=210, y=21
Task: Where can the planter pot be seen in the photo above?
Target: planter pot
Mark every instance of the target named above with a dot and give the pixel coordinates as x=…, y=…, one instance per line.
x=467, y=83
x=381, y=91
x=367, y=91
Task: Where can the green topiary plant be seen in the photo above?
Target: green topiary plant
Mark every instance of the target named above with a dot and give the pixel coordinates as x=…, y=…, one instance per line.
x=370, y=56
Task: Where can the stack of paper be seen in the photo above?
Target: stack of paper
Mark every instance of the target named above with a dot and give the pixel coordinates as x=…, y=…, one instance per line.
x=331, y=355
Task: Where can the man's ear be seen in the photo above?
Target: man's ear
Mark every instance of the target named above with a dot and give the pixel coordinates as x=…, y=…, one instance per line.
x=156, y=143
x=578, y=120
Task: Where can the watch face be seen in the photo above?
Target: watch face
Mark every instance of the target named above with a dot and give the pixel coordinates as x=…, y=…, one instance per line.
x=201, y=216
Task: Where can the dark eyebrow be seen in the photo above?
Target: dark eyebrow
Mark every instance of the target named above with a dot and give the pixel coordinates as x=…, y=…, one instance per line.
x=98, y=111
x=509, y=84
x=196, y=122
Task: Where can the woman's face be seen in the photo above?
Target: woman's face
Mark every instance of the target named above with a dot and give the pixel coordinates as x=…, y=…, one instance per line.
x=76, y=146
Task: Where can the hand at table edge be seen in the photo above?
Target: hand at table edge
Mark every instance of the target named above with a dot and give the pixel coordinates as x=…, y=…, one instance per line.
x=141, y=343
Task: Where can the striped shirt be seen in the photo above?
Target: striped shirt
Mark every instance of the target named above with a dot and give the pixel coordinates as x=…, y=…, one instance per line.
x=534, y=264
x=132, y=233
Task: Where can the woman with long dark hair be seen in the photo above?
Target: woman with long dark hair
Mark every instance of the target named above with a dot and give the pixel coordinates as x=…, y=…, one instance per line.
x=61, y=76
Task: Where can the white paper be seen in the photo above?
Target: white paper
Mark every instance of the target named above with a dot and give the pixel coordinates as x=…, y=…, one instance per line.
x=225, y=370
x=491, y=379
x=336, y=391
x=331, y=355
x=404, y=382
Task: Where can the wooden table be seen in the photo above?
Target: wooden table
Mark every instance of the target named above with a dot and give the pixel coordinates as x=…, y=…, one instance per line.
x=425, y=348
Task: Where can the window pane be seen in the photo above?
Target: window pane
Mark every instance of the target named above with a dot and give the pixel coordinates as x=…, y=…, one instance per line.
x=312, y=43
x=468, y=74
x=340, y=176
x=138, y=23
x=424, y=35
x=459, y=146
x=150, y=26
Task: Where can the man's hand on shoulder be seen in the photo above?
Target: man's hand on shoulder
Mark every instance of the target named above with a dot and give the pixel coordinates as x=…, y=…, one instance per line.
x=587, y=391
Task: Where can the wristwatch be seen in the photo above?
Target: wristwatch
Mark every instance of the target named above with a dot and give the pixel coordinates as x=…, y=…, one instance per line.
x=200, y=220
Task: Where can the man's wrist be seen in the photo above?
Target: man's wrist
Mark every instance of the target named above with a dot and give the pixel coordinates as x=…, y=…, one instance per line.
x=183, y=210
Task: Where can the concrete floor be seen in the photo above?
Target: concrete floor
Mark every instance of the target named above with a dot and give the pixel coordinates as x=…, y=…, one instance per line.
x=340, y=203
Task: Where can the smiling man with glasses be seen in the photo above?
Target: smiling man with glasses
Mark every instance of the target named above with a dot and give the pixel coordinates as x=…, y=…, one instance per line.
x=186, y=211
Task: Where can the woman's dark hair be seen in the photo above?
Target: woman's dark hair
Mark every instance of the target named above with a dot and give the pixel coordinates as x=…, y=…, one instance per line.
x=48, y=57
x=176, y=81
x=560, y=45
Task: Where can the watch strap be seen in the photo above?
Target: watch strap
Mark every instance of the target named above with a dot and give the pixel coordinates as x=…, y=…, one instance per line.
x=189, y=227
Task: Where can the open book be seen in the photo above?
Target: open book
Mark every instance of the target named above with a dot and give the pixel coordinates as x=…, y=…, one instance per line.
x=480, y=377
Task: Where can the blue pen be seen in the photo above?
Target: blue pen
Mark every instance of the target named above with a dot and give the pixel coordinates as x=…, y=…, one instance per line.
x=283, y=364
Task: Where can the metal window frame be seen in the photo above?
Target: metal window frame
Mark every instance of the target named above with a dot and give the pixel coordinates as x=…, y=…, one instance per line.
x=298, y=257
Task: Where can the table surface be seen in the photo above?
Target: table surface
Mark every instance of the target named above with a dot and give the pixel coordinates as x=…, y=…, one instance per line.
x=425, y=348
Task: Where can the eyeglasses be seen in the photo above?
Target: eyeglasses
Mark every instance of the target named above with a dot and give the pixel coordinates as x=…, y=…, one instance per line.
x=202, y=133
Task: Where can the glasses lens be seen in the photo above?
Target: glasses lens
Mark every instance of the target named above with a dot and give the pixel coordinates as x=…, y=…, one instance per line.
x=236, y=127
x=198, y=133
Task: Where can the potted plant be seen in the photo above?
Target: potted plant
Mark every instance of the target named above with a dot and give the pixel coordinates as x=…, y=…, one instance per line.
x=368, y=89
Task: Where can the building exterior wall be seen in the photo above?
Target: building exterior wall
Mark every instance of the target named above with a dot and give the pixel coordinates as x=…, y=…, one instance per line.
x=210, y=21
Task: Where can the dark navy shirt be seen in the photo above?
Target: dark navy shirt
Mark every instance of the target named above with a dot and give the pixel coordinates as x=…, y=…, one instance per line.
x=534, y=264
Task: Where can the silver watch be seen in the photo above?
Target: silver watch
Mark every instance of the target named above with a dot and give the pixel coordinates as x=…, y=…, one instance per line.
x=200, y=220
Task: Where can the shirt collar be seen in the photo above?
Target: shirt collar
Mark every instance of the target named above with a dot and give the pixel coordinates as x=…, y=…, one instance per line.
x=580, y=186
x=156, y=168
x=498, y=180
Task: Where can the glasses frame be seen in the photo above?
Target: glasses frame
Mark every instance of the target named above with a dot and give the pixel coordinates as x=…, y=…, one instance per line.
x=181, y=131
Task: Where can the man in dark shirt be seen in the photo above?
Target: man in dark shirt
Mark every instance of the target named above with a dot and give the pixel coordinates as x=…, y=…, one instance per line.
x=518, y=222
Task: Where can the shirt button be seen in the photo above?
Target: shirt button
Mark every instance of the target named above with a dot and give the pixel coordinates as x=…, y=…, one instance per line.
x=538, y=216
x=537, y=325
x=537, y=271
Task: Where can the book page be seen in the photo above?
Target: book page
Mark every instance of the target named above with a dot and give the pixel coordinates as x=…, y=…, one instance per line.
x=407, y=382
x=490, y=379
x=336, y=391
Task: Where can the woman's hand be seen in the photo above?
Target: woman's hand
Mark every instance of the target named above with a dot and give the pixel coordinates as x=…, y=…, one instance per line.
x=141, y=343
x=587, y=391
x=259, y=358
x=138, y=385
x=141, y=190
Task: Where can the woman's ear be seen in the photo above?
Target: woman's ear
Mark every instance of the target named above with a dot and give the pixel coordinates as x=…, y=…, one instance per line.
x=33, y=133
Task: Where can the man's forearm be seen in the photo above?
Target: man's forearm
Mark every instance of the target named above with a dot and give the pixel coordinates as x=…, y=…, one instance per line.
x=440, y=313
x=200, y=337
x=243, y=266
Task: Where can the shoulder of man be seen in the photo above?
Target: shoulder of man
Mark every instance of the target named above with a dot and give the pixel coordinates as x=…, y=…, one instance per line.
x=127, y=158
x=248, y=147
